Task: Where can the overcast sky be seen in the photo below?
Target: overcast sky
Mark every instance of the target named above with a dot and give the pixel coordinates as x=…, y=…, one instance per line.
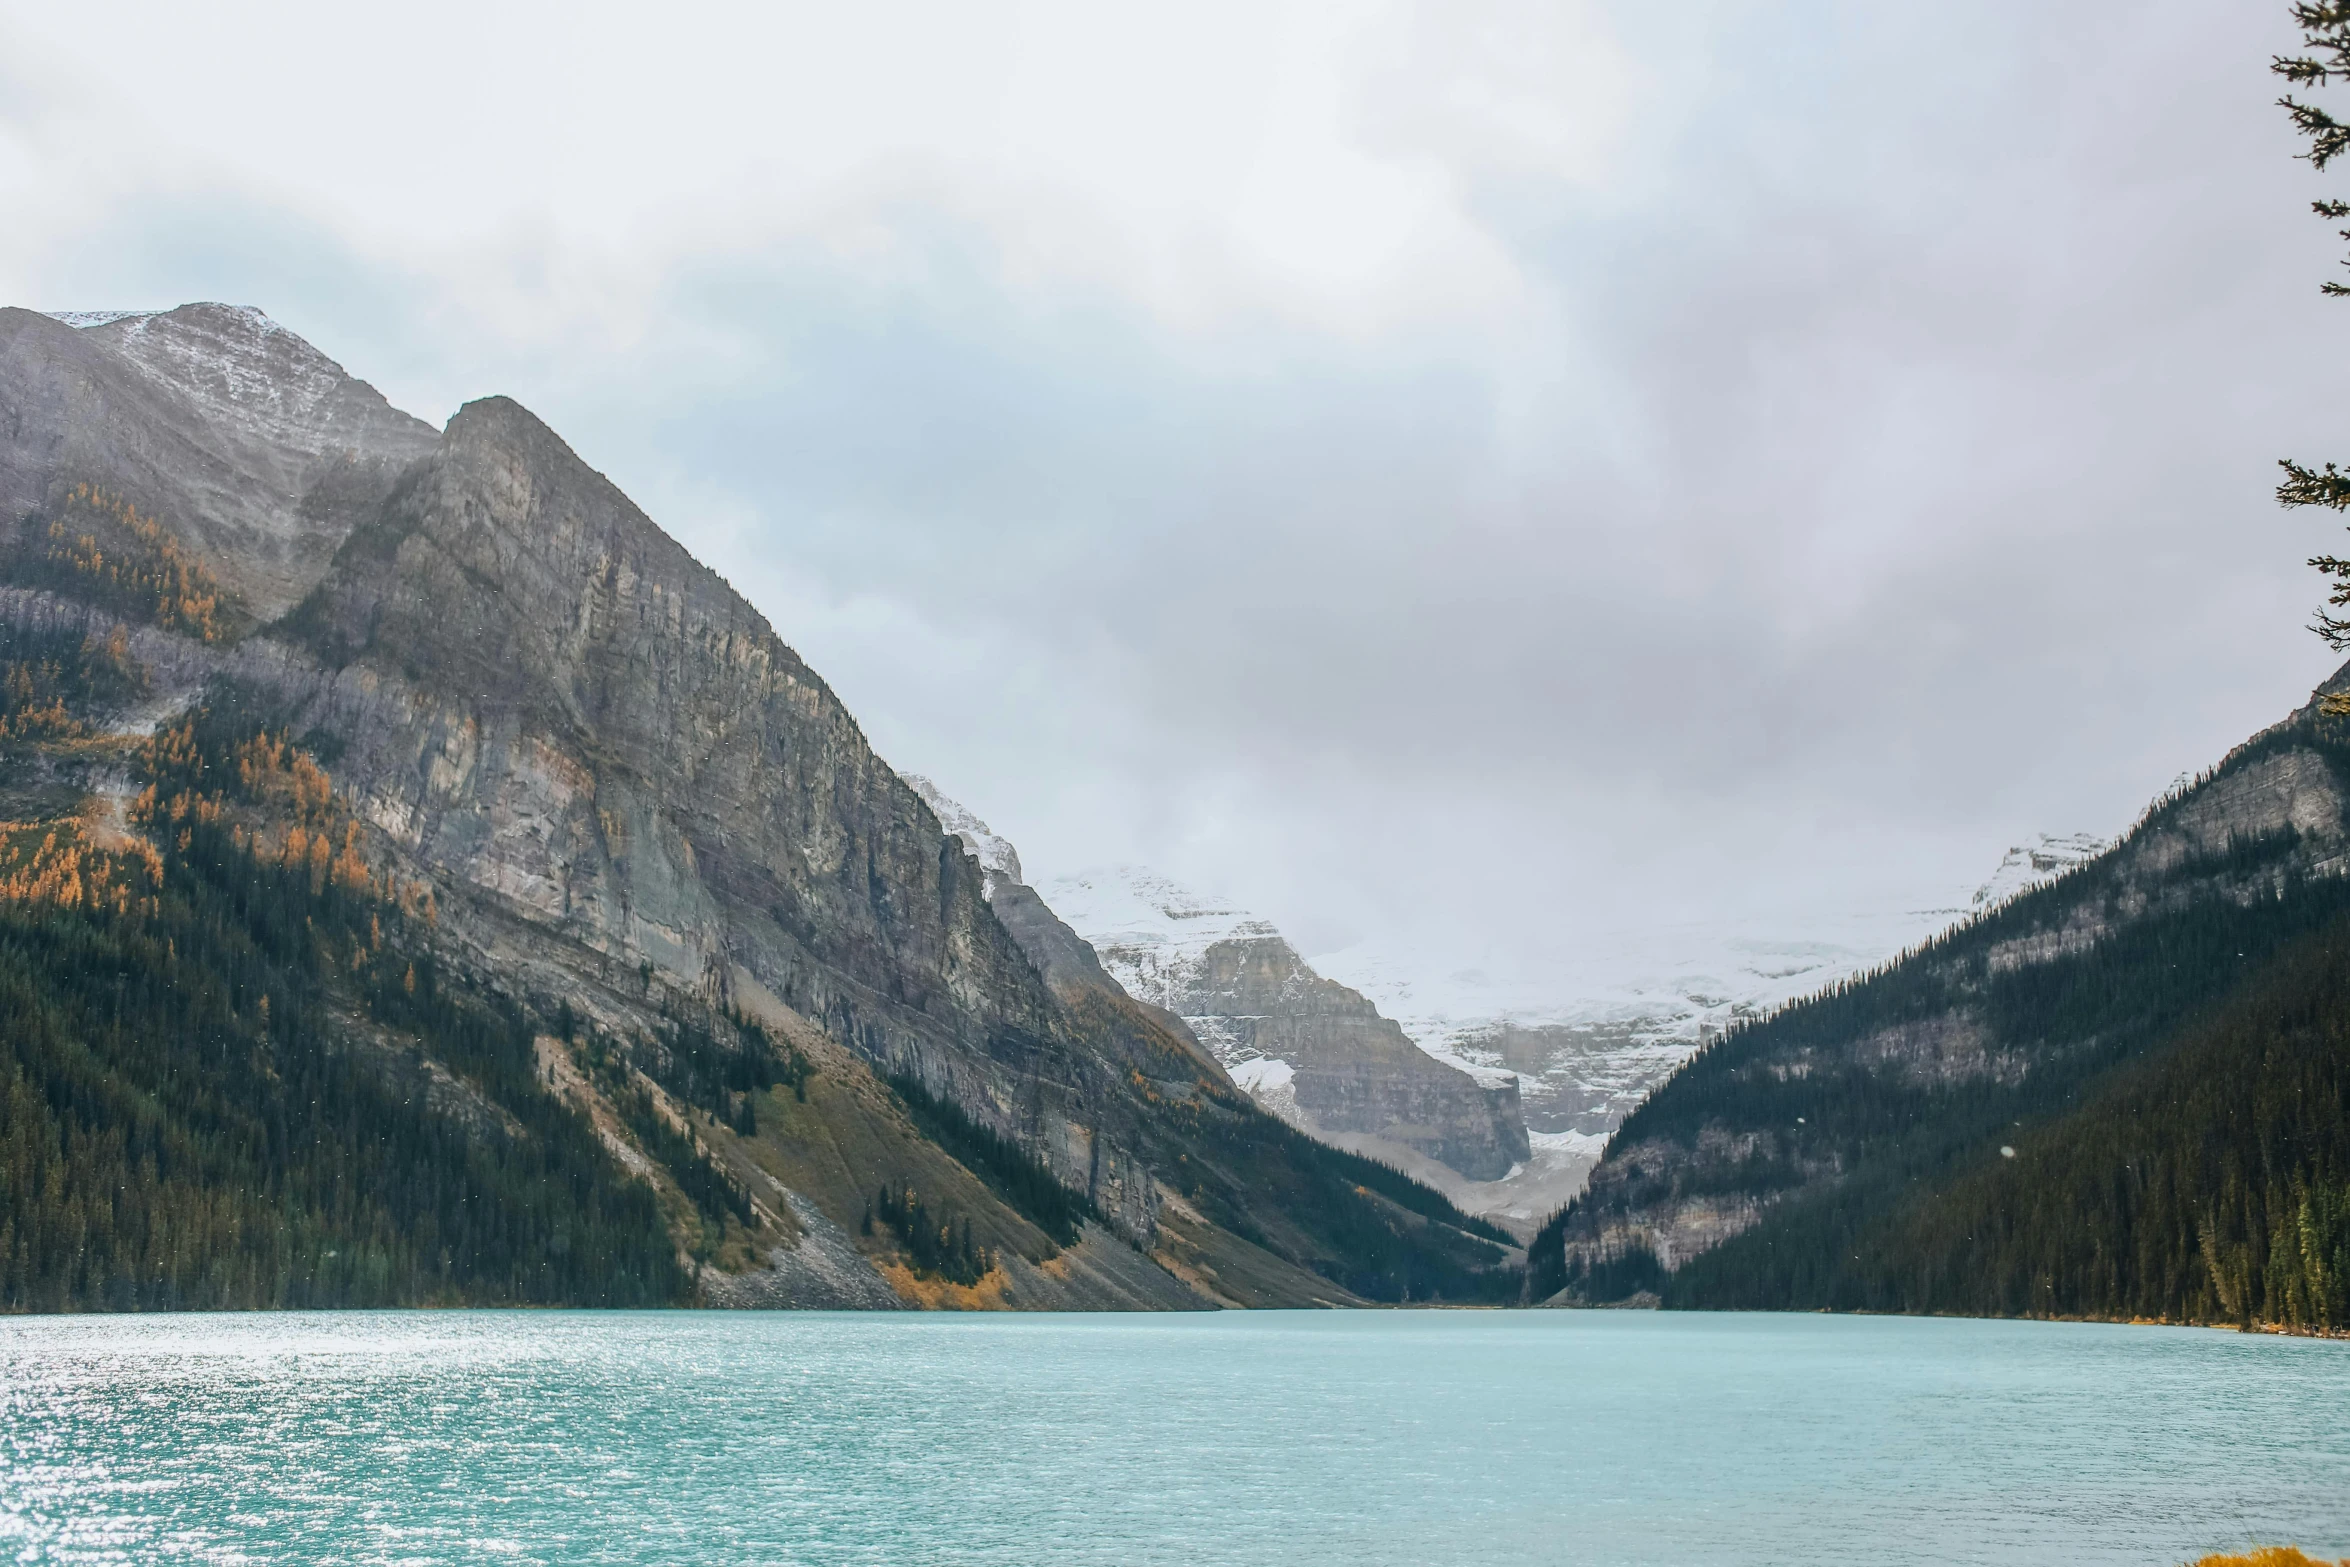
x=1469, y=473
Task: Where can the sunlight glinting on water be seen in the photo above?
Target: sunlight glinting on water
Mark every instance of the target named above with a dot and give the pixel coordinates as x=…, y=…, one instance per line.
x=1298, y=1439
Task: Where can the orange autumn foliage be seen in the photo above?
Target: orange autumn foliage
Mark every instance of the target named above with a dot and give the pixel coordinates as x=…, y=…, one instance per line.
x=64, y=870
x=153, y=574
x=301, y=825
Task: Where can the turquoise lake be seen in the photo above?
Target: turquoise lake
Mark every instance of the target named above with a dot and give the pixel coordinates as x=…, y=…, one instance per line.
x=1292, y=1438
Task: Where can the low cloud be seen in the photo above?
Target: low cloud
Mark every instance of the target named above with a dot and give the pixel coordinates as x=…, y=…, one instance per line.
x=1745, y=463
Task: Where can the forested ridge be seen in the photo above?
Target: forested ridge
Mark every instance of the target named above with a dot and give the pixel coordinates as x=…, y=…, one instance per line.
x=2209, y=1183
x=2171, y=1087
x=192, y=1112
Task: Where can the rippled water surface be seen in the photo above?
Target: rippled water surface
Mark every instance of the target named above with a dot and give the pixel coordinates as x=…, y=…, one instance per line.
x=1297, y=1439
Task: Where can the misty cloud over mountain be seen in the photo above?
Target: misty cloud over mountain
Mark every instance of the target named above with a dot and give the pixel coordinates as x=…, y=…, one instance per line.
x=1424, y=471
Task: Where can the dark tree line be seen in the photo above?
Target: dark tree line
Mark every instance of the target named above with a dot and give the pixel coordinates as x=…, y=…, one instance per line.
x=2209, y=1184
x=725, y=1078
x=1009, y=1170
x=199, y=1107
x=714, y=1193
x=50, y=681
x=1360, y=1224
x=98, y=548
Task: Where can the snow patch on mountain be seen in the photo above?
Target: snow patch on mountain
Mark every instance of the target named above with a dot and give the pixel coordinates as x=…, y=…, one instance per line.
x=242, y=368
x=88, y=318
x=996, y=856
x=1150, y=931
x=1591, y=1028
x=1585, y=1033
x=1263, y=1075
x=2034, y=864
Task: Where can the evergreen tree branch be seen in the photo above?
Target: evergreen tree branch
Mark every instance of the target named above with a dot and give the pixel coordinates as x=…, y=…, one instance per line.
x=2328, y=137
x=2310, y=487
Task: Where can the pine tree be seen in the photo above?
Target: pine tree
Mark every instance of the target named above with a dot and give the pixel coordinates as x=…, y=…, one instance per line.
x=2325, y=33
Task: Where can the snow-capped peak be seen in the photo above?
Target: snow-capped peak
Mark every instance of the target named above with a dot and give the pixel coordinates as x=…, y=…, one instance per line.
x=2027, y=865
x=996, y=855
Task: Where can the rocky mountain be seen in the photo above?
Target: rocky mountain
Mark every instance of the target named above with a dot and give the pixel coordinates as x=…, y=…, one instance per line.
x=505, y=837
x=1312, y=1051
x=260, y=450
x=1585, y=1050
x=2114, y=1092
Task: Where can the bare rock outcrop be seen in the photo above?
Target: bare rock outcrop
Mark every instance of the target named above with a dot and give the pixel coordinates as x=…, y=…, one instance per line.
x=1305, y=1046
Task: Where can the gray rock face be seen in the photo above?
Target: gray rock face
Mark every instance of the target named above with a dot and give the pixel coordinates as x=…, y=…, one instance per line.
x=1305, y=1047
x=1351, y=1070
x=1066, y=960
x=818, y=1271
x=545, y=698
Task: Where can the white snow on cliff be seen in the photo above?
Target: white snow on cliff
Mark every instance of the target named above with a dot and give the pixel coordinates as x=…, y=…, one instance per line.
x=1587, y=1032
x=994, y=852
x=2033, y=864
x=242, y=367
x=1149, y=931
x=1683, y=982
x=90, y=318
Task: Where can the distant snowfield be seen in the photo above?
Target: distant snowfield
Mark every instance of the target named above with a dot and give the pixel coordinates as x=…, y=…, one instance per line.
x=1587, y=1034
x=1676, y=982
x=1671, y=986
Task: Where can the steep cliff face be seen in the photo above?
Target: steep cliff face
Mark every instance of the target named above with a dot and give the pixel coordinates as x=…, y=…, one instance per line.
x=542, y=695
x=1068, y=963
x=1311, y=1050
x=1757, y=1173
x=621, y=799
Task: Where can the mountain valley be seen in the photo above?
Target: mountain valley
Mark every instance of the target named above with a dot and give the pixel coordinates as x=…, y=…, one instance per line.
x=421, y=881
